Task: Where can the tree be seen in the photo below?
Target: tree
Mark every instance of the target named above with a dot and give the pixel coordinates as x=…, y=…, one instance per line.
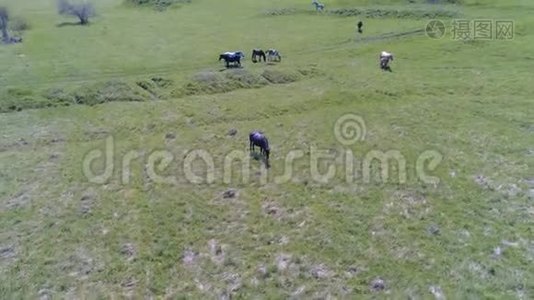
x=4, y=18
x=82, y=11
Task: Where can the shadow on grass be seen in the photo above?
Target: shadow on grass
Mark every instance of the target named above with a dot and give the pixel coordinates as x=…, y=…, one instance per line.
x=260, y=157
x=231, y=67
x=63, y=24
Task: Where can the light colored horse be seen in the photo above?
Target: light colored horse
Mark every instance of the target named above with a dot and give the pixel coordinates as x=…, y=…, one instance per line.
x=240, y=53
x=318, y=6
x=273, y=54
x=385, y=58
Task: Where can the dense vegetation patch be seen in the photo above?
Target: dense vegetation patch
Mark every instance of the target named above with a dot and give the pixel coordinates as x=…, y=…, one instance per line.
x=157, y=4
x=205, y=82
x=393, y=13
x=209, y=82
x=370, y=12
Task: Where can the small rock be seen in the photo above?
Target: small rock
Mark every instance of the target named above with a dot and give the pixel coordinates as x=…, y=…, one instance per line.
x=87, y=201
x=215, y=248
x=263, y=272
x=229, y=194
x=284, y=240
x=436, y=291
x=352, y=271
x=497, y=252
x=484, y=182
x=234, y=281
x=44, y=294
x=377, y=285
x=128, y=250
x=232, y=132
x=282, y=261
x=320, y=272
x=299, y=291
x=510, y=190
x=170, y=136
x=225, y=296
x=433, y=229
x=189, y=257
x=129, y=283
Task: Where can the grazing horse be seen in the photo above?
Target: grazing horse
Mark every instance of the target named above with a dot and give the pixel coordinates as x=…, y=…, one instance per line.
x=385, y=57
x=272, y=54
x=238, y=53
x=232, y=57
x=257, y=138
x=256, y=53
x=318, y=6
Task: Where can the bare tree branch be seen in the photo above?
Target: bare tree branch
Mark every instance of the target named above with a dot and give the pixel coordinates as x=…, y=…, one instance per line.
x=83, y=11
x=4, y=18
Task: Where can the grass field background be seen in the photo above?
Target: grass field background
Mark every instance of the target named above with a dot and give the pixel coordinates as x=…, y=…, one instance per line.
x=470, y=236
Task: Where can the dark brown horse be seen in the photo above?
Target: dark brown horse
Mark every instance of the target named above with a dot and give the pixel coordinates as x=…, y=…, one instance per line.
x=256, y=53
x=257, y=138
x=232, y=57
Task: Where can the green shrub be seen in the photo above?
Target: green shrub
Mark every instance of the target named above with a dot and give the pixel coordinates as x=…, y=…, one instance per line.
x=108, y=91
x=58, y=96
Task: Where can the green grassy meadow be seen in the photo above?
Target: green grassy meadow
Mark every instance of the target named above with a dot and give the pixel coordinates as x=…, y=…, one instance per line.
x=150, y=81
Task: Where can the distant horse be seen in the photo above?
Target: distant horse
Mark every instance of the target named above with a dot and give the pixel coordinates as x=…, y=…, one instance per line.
x=318, y=6
x=238, y=53
x=273, y=54
x=385, y=58
x=360, y=24
x=232, y=57
x=256, y=53
x=257, y=138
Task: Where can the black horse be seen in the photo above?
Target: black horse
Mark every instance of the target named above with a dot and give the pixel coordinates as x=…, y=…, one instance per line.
x=256, y=53
x=360, y=24
x=257, y=138
x=231, y=58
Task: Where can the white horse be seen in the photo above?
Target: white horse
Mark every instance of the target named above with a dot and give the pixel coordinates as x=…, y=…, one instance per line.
x=385, y=57
x=240, y=53
x=318, y=6
x=272, y=54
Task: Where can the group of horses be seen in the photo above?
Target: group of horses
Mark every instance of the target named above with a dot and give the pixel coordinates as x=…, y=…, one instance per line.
x=258, y=138
x=269, y=55
x=236, y=56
